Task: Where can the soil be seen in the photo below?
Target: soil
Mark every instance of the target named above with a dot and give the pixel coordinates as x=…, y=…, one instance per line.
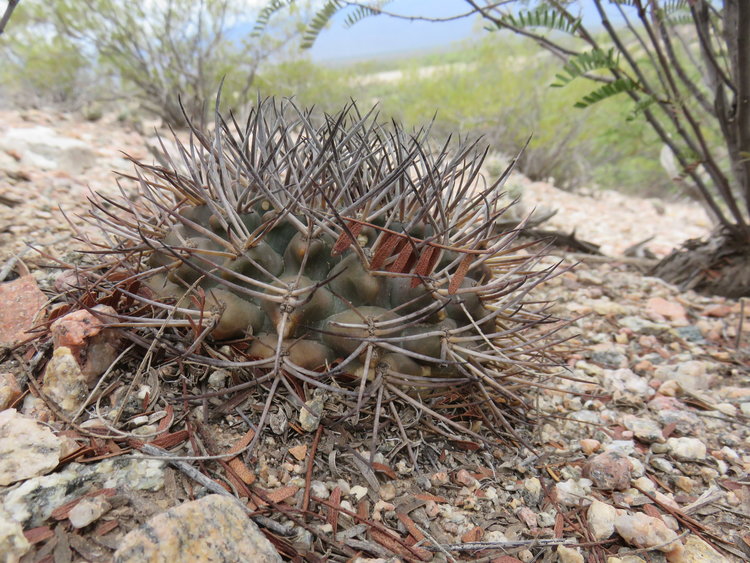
x=640, y=354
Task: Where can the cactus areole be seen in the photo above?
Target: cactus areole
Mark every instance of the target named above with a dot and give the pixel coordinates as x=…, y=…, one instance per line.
x=333, y=253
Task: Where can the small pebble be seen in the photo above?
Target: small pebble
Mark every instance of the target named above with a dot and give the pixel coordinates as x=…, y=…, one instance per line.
x=88, y=510
x=643, y=531
x=601, y=519
x=589, y=445
x=387, y=491
x=358, y=492
x=608, y=471
x=687, y=449
x=568, y=555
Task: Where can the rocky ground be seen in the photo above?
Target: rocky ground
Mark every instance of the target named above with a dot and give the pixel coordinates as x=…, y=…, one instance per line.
x=641, y=451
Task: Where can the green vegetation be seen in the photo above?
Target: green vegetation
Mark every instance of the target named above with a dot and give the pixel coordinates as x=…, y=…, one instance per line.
x=482, y=88
x=496, y=86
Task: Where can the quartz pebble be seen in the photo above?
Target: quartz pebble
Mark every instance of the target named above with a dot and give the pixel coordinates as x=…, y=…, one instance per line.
x=27, y=449
x=309, y=416
x=387, y=491
x=88, y=510
x=573, y=491
x=644, y=429
x=568, y=555
x=687, y=449
x=32, y=501
x=64, y=382
x=698, y=551
x=601, y=519
x=644, y=531
x=214, y=528
x=13, y=544
x=9, y=390
x=358, y=492
x=589, y=446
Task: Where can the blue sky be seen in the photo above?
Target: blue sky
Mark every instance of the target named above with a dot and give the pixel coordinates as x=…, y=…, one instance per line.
x=383, y=36
x=378, y=36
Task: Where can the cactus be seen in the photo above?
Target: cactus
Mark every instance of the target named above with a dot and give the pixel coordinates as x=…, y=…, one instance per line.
x=341, y=254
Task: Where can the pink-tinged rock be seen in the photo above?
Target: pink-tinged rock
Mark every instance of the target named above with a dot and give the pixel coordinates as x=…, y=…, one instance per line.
x=608, y=471
x=662, y=402
x=527, y=516
x=93, y=345
x=589, y=445
x=214, y=528
x=10, y=390
x=644, y=531
x=464, y=478
x=666, y=309
x=439, y=478
x=21, y=302
x=718, y=310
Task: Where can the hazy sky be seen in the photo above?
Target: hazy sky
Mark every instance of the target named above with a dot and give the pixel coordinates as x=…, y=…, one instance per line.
x=383, y=35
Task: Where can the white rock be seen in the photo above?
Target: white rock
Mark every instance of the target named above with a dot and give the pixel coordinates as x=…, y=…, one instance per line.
x=626, y=382
x=387, y=491
x=42, y=147
x=32, y=501
x=533, y=490
x=572, y=491
x=727, y=408
x=13, y=544
x=623, y=447
x=691, y=375
x=601, y=519
x=698, y=551
x=358, y=491
x=319, y=489
x=730, y=455
x=568, y=555
x=644, y=428
x=644, y=531
x=309, y=416
x=636, y=468
x=687, y=449
x=88, y=510
x=64, y=381
x=27, y=449
x=218, y=378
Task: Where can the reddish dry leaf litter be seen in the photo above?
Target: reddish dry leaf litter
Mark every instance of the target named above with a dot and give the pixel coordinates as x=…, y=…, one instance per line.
x=641, y=452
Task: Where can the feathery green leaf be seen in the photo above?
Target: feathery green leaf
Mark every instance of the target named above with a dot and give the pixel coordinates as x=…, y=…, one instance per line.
x=265, y=15
x=585, y=62
x=549, y=18
x=363, y=12
x=319, y=21
x=607, y=91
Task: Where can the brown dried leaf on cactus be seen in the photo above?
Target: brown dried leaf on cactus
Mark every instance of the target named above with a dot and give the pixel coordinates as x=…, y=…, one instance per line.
x=335, y=258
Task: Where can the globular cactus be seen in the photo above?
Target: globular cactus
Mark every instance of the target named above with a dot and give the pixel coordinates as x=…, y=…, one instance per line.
x=340, y=254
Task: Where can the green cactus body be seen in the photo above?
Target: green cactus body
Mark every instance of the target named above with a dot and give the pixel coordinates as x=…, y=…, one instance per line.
x=341, y=251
